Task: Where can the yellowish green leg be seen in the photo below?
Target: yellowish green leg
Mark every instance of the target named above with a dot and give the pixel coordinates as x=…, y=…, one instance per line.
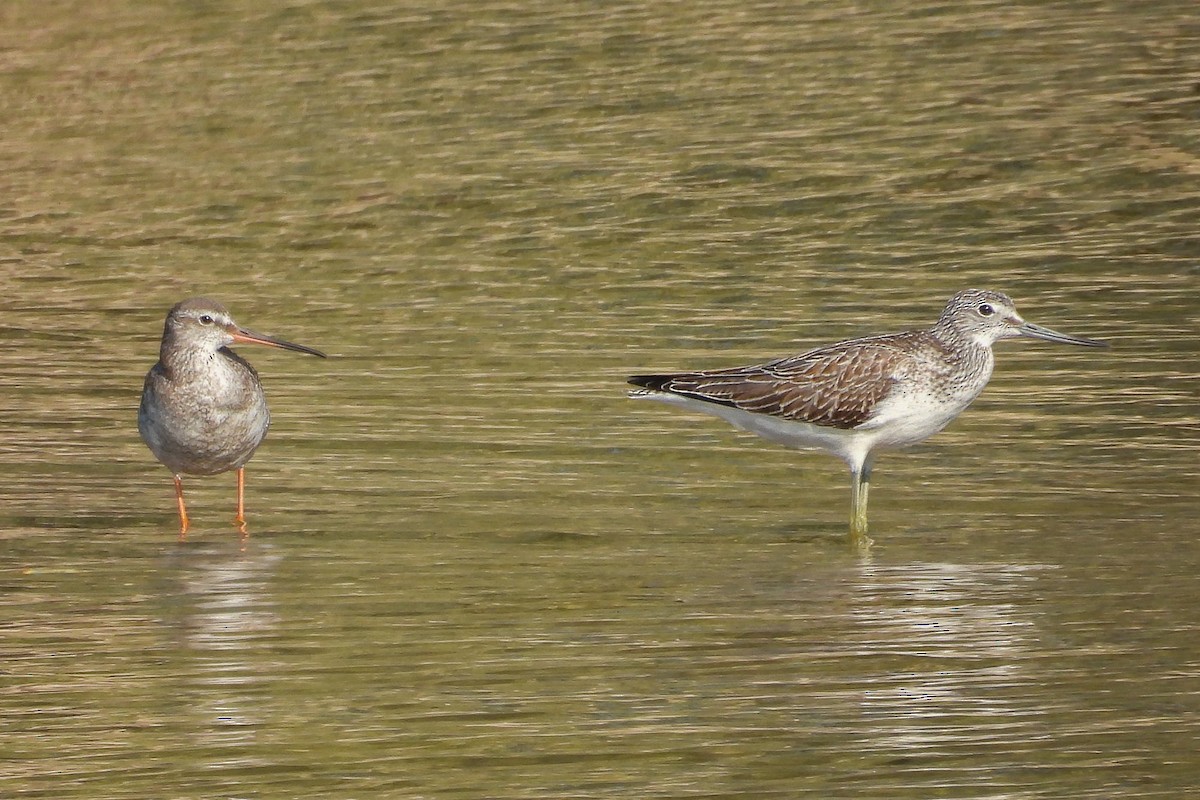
x=860, y=485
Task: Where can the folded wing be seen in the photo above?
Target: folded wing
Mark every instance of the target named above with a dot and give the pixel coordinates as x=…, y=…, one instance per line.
x=838, y=387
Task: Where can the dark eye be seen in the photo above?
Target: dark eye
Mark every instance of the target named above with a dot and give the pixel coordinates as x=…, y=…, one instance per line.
x=986, y=310
x=205, y=319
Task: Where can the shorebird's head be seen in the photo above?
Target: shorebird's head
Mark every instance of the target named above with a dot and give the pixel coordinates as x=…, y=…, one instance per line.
x=204, y=325
x=985, y=317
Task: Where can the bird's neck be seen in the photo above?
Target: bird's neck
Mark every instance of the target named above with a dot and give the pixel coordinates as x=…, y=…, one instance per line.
x=963, y=352
x=183, y=363
x=956, y=340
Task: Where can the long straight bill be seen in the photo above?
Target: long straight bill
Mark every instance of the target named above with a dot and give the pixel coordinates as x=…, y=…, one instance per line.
x=1038, y=332
x=243, y=336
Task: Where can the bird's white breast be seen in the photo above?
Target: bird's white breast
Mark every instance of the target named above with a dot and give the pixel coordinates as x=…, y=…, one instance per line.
x=927, y=396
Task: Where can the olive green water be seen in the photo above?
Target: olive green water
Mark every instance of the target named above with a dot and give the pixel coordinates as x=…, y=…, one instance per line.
x=475, y=569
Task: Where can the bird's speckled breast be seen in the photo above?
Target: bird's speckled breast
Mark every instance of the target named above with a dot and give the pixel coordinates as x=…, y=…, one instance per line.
x=203, y=418
x=933, y=387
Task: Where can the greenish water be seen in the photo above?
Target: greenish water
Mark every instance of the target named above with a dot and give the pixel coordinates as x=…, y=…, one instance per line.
x=475, y=569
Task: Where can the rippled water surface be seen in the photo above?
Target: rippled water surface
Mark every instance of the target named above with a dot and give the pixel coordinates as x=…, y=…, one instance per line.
x=475, y=570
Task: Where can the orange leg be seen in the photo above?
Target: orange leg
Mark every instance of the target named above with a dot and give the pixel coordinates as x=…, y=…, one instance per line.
x=183, y=517
x=240, y=519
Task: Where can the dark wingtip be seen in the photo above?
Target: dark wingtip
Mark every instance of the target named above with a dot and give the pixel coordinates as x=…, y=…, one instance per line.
x=656, y=382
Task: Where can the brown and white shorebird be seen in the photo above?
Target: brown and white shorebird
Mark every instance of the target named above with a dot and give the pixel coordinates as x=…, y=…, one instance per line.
x=203, y=410
x=859, y=396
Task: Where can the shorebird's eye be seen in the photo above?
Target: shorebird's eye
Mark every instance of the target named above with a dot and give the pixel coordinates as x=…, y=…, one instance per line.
x=986, y=310
x=205, y=319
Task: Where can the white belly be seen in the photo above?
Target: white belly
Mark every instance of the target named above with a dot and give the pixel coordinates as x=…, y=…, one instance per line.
x=852, y=446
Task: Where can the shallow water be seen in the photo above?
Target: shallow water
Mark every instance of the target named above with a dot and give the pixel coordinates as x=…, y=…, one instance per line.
x=475, y=569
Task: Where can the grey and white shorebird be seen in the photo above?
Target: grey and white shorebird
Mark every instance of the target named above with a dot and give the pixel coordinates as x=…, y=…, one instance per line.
x=860, y=396
x=203, y=410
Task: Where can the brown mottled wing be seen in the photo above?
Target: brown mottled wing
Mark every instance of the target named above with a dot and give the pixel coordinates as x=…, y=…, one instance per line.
x=838, y=386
